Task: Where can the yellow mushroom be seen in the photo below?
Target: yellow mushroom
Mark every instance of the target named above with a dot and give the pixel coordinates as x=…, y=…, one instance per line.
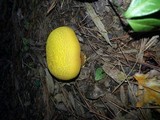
x=63, y=53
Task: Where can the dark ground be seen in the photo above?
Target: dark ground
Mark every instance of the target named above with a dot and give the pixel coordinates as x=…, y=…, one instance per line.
x=24, y=92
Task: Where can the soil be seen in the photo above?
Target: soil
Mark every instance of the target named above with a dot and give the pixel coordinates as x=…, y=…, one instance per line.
x=105, y=88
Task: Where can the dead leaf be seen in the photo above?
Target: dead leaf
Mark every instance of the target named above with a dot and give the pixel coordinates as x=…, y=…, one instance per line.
x=71, y=99
x=97, y=22
x=114, y=73
x=123, y=95
x=49, y=81
x=151, y=89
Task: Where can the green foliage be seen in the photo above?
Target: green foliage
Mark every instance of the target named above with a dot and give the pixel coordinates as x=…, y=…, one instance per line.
x=144, y=25
x=99, y=74
x=139, y=8
x=140, y=15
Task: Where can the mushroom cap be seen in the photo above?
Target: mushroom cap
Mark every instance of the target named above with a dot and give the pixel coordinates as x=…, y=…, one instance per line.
x=63, y=53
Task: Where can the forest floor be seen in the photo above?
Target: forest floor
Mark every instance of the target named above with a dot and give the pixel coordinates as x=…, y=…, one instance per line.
x=105, y=88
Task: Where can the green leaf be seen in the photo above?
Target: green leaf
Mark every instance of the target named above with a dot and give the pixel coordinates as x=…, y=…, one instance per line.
x=99, y=74
x=144, y=25
x=139, y=8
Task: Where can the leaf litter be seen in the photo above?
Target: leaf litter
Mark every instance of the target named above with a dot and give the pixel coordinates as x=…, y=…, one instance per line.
x=111, y=91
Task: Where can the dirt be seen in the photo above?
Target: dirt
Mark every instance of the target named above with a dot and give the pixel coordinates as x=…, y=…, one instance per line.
x=29, y=91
